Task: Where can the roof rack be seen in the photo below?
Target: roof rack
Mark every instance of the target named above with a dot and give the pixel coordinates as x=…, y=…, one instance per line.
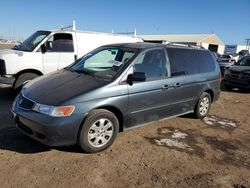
x=73, y=26
x=184, y=45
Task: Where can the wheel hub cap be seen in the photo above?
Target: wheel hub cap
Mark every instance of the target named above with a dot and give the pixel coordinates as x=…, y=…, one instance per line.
x=100, y=132
x=204, y=106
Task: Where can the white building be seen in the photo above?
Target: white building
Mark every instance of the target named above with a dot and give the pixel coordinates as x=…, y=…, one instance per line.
x=208, y=41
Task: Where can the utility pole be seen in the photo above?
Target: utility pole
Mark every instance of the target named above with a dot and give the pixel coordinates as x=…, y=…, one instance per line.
x=248, y=43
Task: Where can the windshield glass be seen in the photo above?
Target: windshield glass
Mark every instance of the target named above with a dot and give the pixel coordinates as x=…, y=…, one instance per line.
x=243, y=62
x=31, y=43
x=104, y=63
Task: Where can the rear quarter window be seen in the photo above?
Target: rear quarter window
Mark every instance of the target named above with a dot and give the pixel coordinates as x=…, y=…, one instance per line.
x=190, y=61
x=182, y=62
x=205, y=61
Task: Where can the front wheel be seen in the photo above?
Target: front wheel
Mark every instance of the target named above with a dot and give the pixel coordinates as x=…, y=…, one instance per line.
x=24, y=78
x=98, y=131
x=203, y=105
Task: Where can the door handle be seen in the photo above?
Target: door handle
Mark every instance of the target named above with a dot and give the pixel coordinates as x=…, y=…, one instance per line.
x=165, y=87
x=177, y=84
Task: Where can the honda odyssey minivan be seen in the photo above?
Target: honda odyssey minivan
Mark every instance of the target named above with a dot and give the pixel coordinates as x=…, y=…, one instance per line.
x=114, y=88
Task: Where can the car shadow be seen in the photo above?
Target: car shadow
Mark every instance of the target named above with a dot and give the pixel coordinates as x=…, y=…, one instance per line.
x=234, y=90
x=6, y=99
x=12, y=139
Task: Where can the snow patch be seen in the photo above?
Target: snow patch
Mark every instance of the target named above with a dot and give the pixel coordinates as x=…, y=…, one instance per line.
x=179, y=134
x=223, y=122
x=172, y=143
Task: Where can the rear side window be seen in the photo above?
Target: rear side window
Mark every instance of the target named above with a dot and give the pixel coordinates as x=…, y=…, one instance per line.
x=182, y=62
x=205, y=61
x=188, y=62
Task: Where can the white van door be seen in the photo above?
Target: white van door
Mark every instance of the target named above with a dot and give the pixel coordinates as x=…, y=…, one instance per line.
x=59, y=52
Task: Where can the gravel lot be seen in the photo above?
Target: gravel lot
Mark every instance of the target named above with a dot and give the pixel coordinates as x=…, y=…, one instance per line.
x=180, y=152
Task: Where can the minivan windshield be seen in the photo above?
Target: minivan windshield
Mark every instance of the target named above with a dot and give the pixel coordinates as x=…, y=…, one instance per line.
x=104, y=62
x=31, y=43
x=245, y=61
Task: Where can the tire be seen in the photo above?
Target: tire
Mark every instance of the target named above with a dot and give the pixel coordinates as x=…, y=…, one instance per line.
x=203, y=106
x=21, y=79
x=92, y=141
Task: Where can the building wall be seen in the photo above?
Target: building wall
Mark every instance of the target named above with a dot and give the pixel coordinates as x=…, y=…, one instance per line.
x=221, y=48
x=241, y=47
x=204, y=45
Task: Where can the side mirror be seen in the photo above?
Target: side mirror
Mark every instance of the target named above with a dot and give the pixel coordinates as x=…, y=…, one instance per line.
x=136, y=77
x=43, y=48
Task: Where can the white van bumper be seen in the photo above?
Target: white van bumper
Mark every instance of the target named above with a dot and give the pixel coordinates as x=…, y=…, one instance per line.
x=7, y=82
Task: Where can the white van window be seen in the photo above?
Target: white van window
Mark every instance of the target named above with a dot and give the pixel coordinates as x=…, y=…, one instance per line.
x=33, y=41
x=60, y=43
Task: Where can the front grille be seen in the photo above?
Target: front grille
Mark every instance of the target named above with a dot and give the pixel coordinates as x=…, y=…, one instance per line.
x=245, y=75
x=240, y=75
x=2, y=68
x=25, y=103
x=235, y=74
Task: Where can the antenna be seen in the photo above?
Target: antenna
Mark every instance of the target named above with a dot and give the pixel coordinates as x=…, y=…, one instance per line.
x=74, y=25
x=135, y=33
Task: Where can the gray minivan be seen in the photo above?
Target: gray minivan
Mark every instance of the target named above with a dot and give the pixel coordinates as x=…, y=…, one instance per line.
x=114, y=88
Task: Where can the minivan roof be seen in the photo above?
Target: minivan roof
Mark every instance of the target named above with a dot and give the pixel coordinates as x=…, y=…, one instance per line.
x=145, y=45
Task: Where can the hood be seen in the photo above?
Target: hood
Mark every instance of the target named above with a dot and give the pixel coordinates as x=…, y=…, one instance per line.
x=56, y=88
x=239, y=68
x=7, y=52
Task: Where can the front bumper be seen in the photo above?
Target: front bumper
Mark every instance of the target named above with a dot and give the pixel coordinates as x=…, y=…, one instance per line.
x=238, y=83
x=7, y=81
x=51, y=131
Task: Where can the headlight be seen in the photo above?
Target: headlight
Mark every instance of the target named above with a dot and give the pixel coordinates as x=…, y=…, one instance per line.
x=54, y=111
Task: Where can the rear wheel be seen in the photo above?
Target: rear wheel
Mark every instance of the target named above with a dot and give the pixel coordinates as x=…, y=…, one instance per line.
x=203, y=105
x=24, y=78
x=98, y=131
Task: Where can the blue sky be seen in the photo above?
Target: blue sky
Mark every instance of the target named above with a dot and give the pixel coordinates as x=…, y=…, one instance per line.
x=229, y=19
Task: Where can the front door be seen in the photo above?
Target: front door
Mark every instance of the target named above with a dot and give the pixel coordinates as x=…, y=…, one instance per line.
x=59, y=52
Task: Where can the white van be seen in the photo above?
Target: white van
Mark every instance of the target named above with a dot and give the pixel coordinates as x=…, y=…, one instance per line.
x=47, y=51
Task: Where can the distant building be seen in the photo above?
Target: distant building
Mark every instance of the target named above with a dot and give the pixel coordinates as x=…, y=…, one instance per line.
x=208, y=41
x=236, y=48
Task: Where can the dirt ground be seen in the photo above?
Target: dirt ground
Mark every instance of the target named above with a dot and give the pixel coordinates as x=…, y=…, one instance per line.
x=179, y=152
x=6, y=46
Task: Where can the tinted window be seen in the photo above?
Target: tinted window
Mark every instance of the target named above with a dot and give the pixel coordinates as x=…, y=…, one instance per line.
x=187, y=62
x=152, y=63
x=60, y=43
x=205, y=61
x=182, y=62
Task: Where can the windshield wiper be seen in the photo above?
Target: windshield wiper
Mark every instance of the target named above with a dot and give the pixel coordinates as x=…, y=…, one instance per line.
x=83, y=71
x=79, y=71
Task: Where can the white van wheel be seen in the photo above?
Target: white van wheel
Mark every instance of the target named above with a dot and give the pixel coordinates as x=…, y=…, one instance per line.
x=23, y=79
